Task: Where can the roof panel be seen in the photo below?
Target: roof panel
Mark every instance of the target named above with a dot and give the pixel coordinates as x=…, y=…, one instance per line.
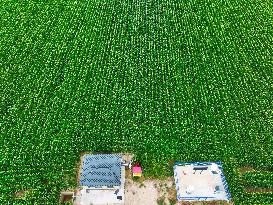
x=101, y=170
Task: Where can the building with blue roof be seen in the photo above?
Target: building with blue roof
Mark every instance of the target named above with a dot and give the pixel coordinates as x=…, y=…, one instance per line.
x=101, y=170
x=102, y=180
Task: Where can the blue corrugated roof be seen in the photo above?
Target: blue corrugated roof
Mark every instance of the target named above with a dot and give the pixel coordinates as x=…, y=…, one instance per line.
x=101, y=170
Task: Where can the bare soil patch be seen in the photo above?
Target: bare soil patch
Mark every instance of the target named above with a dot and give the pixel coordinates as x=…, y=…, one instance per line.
x=20, y=194
x=260, y=190
x=243, y=170
x=150, y=191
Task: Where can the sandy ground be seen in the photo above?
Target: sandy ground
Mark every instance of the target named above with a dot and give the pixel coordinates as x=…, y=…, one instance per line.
x=150, y=192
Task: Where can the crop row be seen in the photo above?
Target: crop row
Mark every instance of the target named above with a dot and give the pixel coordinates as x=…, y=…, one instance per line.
x=165, y=80
x=258, y=179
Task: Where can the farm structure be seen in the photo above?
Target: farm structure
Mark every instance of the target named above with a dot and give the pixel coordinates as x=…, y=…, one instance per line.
x=102, y=180
x=137, y=171
x=200, y=181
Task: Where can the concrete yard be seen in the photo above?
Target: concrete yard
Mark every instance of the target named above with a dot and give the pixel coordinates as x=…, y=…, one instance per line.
x=101, y=197
x=199, y=185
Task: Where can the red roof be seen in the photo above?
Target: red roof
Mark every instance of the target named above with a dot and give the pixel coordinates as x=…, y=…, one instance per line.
x=137, y=170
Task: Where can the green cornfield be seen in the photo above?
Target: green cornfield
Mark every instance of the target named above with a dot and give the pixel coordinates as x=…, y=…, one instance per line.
x=167, y=80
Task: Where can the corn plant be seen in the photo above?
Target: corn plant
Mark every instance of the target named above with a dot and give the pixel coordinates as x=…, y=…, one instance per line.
x=166, y=80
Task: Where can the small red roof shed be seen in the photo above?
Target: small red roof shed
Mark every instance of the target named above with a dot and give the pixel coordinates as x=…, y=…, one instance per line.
x=137, y=171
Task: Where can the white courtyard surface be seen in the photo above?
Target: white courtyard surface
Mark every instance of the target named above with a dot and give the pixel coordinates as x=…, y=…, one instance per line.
x=102, y=196
x=198, y=186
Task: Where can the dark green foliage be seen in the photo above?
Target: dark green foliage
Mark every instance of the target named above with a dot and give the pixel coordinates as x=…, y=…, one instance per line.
x=258, y=179
x=166, y=80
